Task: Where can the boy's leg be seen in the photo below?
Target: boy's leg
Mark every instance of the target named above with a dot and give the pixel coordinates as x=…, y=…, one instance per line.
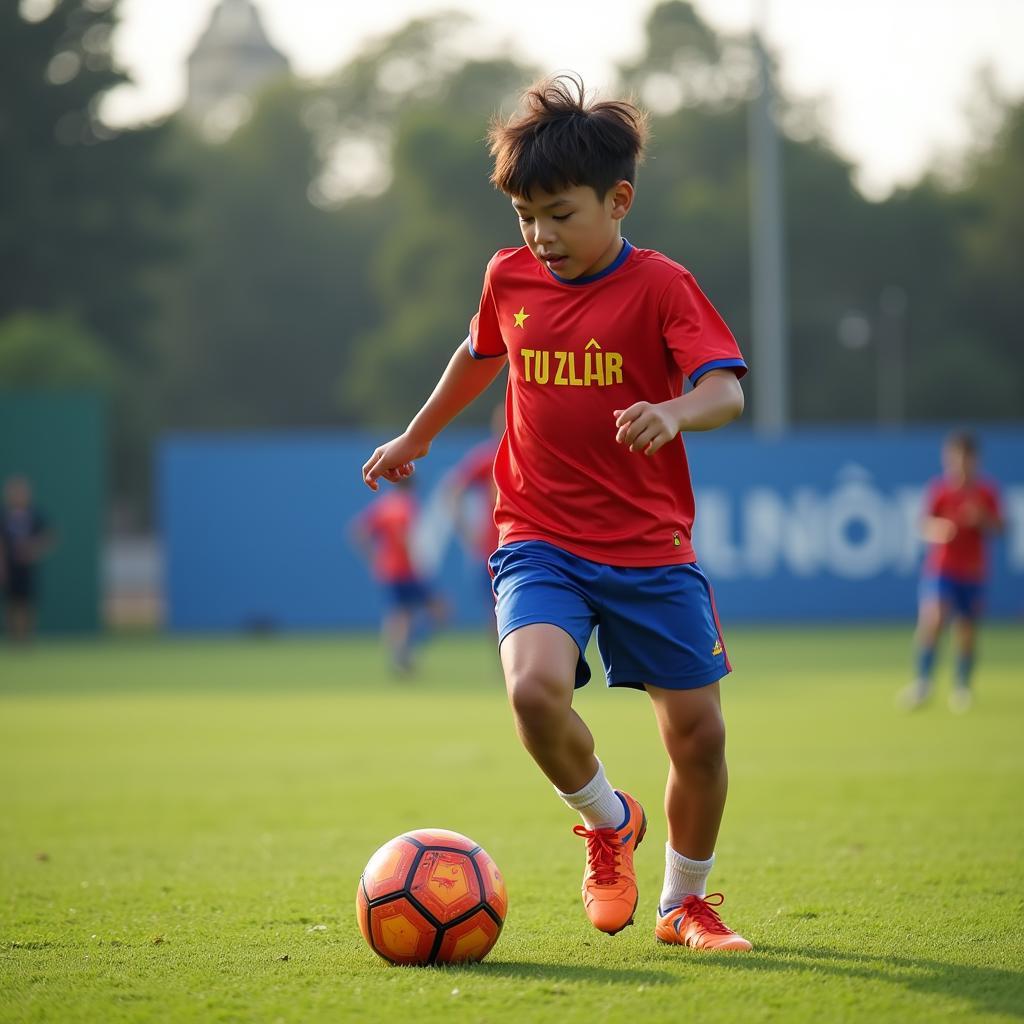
x=397, y=632
x=931, y=618
x=693, y=731
x=19, y=620
x=437, y=609
x=966, y=634
x=539, y=661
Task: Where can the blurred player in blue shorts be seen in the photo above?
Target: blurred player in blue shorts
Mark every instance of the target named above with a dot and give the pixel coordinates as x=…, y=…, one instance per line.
x=25, y=537
x=962, y=510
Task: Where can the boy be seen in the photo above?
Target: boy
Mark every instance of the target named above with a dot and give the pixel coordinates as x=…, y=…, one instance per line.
x=961, y=512
x=25, y=538
x=594, y=505
x=382, y=532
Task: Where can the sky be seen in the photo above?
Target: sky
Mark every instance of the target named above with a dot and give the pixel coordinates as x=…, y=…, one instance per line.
x=895, y=76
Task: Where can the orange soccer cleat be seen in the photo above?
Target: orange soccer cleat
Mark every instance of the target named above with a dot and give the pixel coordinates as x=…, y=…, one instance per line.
x=609, y=882
x=695, y=923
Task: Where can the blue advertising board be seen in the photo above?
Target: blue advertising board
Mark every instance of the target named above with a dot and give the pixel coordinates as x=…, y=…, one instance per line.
x=818, y=526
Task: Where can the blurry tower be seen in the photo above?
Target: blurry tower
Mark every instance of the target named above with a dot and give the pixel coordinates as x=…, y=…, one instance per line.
x=231, y=61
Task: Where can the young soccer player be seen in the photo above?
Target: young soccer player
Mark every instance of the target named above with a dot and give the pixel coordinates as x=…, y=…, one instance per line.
x=594, y=504
x=962, y=511
x=382, y=532
x=25, y=538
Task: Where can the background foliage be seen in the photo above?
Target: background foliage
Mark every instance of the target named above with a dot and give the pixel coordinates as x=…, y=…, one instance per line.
x=319, y=265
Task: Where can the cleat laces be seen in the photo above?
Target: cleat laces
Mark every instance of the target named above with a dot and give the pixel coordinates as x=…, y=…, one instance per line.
x=702, y=912
x=603, y=846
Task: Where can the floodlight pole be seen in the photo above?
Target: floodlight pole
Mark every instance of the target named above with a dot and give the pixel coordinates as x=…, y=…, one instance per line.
x=770, y=356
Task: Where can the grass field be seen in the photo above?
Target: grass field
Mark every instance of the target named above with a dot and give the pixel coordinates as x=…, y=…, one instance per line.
x=183, y=825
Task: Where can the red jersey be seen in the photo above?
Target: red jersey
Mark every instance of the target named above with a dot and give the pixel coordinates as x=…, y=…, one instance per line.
x=963, y=556
x=387, y=523
x=578, y=350
x=476, y=470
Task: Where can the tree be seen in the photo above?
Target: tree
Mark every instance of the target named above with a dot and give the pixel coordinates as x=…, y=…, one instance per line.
x=85, y=211
x=258, y=319
x=990, y=230
x=428, y=267
x=43, y=350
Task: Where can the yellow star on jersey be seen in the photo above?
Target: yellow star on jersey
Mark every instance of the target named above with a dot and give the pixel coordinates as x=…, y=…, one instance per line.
x=521, y=316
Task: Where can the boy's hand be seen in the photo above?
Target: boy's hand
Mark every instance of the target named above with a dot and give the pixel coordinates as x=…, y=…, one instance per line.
x=644, y=427
x=939, y=530
x=393, y=461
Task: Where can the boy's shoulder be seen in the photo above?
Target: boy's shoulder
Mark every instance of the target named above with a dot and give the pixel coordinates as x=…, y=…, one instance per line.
x=988, y=485
x=658, y=265
x=514, y=258
x=648, y=262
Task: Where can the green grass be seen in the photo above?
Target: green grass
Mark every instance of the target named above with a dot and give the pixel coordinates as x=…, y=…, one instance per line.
x=179, y=819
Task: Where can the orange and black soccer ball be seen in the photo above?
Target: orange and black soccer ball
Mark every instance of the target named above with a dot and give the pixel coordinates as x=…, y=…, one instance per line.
x=431, y=897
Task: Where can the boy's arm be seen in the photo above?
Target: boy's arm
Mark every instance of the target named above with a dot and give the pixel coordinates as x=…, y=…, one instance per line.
x=986, y=513
x=463, y=380
x=715, y=401
x=937, y=530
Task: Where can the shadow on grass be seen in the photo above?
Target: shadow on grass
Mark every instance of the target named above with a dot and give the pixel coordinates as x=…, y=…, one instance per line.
x=988, y=989
x=569, y=973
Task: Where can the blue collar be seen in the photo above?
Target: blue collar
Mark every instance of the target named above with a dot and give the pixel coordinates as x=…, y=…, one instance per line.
x=610, y=269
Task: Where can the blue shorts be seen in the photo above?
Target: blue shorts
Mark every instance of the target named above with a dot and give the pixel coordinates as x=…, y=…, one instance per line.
x=408, y=594
x=964, y=598
x=656, y=625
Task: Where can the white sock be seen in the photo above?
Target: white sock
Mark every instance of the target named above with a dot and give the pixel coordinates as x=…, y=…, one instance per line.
x=683, y=877
x=596, y=802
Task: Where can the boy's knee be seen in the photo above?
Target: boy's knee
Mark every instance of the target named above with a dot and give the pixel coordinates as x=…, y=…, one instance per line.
x=536, y=696
x=699, y=740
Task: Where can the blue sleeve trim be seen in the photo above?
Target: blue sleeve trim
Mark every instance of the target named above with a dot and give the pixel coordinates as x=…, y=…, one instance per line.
x=719, y=364
x=483, y=355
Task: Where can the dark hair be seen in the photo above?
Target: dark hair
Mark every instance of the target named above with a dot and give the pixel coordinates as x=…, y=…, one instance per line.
x=964, y=440
x=560, y=139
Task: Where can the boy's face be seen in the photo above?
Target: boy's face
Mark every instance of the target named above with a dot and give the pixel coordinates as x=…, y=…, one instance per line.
x=17, y=493
x=574, y=232
x=959, y=463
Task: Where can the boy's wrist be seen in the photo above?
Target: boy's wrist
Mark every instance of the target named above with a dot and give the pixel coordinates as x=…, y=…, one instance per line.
x=418, y=438
x=675, y=410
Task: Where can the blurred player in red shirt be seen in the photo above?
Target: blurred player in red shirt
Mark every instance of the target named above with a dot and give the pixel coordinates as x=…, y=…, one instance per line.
x=595, y=506
x=962, y=510
x=473, y=476
x=383, y=533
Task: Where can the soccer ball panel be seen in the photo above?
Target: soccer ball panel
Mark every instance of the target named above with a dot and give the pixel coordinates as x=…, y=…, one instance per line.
x=446, y=884
x=388, y=868
x=363, y=913
x=442, y=837
x=494, y=884
x=470, y=940
x=400, y=933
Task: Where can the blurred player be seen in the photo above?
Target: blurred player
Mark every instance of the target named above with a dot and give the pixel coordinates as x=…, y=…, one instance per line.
x=382, y=532
x=595, y=506
x=25, y=538
x=473, y=476
x=962, y=511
